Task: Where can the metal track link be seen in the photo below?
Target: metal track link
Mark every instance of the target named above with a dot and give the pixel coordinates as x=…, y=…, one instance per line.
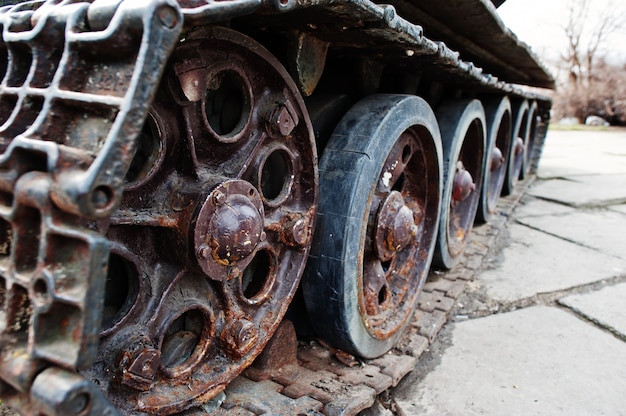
x=70, y=112
x=307, y=378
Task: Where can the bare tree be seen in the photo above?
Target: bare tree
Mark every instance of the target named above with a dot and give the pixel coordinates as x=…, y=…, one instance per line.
x=584, y=60
x=587, y=39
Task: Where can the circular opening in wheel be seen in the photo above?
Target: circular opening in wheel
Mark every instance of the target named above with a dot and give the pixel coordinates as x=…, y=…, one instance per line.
x=183, y=342
x=120, y=292
x=149, y=152
x=227, y=105
x=276, y=177
x=256, y=279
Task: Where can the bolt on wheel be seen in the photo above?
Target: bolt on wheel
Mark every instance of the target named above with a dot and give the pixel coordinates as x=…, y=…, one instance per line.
x=214, y=227
x=380, y=189
x=498, y=119
x=463, y=137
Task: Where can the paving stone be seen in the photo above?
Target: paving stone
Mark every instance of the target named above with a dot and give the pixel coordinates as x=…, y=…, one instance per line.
x=530, y=207
x=593, y=190
x=600, y=229
x=605, y=306
x=619, y=208
x=535, y=361
x=535, y=262
x=573, y=153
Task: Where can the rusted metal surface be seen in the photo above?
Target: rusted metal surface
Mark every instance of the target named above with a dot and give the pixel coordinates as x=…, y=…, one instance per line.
x=212, y=230
x=465, y=196
x=308, y=58
x=394, y=267
x=236, y=186
x=70, y=110
x=398, y=38
x=474, y=28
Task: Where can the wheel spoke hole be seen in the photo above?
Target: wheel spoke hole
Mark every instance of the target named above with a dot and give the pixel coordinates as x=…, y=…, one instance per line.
x=406, y=154
x=276, y=177
x=120, y=292
x=147, y=155
x=397, y=186
x=386, y=265
x=182, y=339
x=256, y=277
x=383, y=295
x=227, y=105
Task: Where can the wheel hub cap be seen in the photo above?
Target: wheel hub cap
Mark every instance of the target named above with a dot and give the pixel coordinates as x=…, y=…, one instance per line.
x=395, y=226
x=496, y=159
x=463, y=183
x=228, y=228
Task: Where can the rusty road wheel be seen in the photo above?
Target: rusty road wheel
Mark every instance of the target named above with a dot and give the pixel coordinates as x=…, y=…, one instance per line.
x=530, y=138
x=214, y=228
x=380, y=187
x=498, y=119
x=463, y=137
x=518, y=149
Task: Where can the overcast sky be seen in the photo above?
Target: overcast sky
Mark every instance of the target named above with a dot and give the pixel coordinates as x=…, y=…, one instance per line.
x=540, y=24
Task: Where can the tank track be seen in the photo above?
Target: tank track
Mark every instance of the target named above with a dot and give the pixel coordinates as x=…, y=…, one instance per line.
x=313, y=379
x=72, y=112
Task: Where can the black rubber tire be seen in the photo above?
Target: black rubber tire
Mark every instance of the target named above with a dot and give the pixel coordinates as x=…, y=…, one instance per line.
x=463, y=136
x=530, y=139
x=498, y=118
x=516, y=161
x=350, y=168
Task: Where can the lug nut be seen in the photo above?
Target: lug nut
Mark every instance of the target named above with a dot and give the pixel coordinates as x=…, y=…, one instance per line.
x=139, y=372
x=282, y=122
x=239, y=337
x=219, y=198
x=294, y=230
